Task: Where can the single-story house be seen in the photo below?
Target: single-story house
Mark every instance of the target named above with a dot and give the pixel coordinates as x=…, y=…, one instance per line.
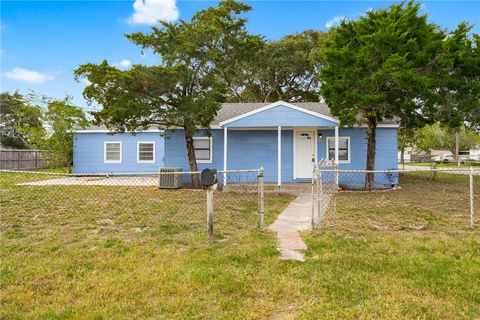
x=283, y=138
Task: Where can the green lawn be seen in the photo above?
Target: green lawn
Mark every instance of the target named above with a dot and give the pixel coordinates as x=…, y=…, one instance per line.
x=141, y=253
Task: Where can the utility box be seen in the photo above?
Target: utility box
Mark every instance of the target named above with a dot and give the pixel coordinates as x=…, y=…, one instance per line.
x=169, y=180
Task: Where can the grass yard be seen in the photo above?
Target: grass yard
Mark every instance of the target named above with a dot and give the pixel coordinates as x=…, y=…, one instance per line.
x=94, y=252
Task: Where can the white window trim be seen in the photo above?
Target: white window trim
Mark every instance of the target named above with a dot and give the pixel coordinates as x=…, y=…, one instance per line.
x=349, y=148
x=211, y=149
x=138, y=152
x=105, y=152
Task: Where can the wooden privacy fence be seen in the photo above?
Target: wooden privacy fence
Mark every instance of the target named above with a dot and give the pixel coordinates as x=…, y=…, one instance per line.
x=16, y=159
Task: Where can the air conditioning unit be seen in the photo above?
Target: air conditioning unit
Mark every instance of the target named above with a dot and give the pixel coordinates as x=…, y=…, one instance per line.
x=170, y=181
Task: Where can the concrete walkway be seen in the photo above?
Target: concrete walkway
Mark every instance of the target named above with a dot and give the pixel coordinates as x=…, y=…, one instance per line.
x=294, y=219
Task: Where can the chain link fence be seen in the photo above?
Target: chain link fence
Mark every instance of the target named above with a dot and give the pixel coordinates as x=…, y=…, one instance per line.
x=436, y=198
x=123, y=203
x=324, y=190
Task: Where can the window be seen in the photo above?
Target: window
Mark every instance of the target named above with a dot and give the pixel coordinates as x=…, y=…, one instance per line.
x=203, y=149
x=343, y=149
x=113, y=152
x=145, y=152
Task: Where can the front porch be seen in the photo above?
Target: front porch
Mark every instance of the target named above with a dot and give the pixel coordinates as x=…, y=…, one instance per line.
x=299, y=133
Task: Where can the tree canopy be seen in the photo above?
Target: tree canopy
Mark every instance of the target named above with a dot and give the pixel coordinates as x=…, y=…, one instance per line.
x=442, y=137
x=61, y=117
x=382, y=66
x=459, y=81
x=38, y=122
x=22, y=126
x=280, y=70
x=186, y=89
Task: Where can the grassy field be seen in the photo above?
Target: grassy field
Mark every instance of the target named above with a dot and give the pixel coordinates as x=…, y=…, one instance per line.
x=88, y=252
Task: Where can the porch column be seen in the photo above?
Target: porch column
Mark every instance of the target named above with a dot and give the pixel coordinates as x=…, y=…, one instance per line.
x=225, y=134
x=336, y=144
x=336, y=152
x=279, y=156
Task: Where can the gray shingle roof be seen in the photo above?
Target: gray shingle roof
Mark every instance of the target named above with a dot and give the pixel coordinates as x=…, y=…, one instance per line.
x=231, y=110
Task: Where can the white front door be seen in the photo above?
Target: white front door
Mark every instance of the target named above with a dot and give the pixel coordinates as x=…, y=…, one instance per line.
x=304, y=153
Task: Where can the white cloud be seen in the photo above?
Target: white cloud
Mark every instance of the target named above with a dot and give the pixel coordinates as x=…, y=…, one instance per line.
x=335, y=21
x=28, y=75
x=85, y=82
x=124, y=64
x=150, y=11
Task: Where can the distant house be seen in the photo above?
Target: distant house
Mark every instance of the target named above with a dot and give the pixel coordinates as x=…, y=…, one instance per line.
x=283, y=138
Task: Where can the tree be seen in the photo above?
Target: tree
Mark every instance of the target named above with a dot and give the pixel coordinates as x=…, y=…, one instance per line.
x=280, y=70
x=62, y=118
x=437, y=136
x=459, y=86
x=406, y=138
x=427, y=138
x=380, y=67
x=21, y=122
x=186, y=89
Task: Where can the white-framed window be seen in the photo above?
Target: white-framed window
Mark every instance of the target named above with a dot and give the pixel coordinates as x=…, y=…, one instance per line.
x=113, y=152
x=343, y=149
x=203, y=149
x=145, y=151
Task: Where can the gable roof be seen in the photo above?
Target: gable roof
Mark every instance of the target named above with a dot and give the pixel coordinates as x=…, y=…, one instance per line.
x=235, y=110
x=229, y=111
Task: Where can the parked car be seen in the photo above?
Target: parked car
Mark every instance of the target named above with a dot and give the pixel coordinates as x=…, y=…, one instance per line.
x=448, y=158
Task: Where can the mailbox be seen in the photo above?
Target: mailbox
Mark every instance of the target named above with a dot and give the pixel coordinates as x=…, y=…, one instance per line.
x=208, y=177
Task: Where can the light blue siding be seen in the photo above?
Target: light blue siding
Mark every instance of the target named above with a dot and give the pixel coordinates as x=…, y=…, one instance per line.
x=89, y=153
x=385, y=157
x=247, y=149
x=280, y=116
x=251, y=149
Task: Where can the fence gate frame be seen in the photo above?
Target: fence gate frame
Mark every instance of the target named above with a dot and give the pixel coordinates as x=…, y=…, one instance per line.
x=324, y=190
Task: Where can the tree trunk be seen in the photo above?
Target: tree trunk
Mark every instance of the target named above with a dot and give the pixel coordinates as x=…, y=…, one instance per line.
x=371, y=144
x=191, y=156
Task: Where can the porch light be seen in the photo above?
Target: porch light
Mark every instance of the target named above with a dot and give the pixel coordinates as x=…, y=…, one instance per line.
x=320, y=135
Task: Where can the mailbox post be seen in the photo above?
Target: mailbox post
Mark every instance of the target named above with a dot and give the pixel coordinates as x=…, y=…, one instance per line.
x=208, y=179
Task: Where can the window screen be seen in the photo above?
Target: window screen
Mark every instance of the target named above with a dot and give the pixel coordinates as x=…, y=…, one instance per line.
x=146, y=151
x=202, y=148
x=343, y=146
x=113, y=151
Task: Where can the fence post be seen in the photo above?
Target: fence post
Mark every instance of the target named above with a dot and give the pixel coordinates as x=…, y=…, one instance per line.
x=314, y=172
x=320, y=199
x=18, y=161
x=262, y=198
x=433, y=171
x=335, y=209
x=210, y=213
x=471, y=198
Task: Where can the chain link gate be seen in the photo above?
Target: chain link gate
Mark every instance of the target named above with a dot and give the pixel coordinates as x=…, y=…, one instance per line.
x=324, y=190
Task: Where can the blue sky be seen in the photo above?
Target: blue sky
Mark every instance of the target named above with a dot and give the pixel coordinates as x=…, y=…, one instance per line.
x=42, y=42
